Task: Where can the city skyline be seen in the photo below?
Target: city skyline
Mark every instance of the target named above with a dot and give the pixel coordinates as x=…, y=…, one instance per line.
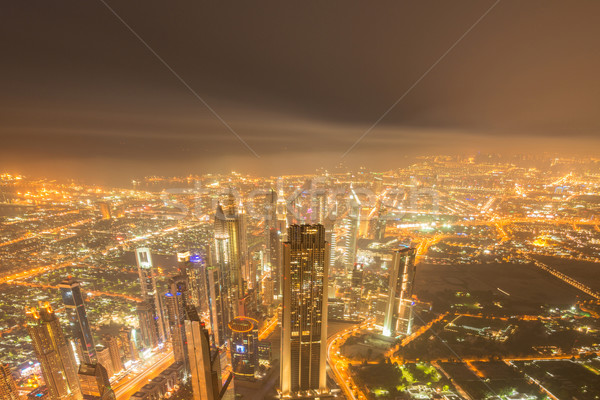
x=284, y=201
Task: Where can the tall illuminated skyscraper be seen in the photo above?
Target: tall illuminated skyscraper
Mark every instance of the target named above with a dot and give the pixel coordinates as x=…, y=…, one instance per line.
x=228, y=285
x=147, y=276
x=304, y=315
x=194, y=268
x=176, y=301
x=399, y=313
x=278, y=236
x=8, y=388
x=54, y=353
x=352, y=223
x=205, y=367
x=148, y=331
x=218, y=305
x=78, y=323
x=104, y=359
x=112, y=344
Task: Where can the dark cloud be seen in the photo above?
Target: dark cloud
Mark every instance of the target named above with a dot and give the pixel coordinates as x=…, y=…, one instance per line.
x=300, y=82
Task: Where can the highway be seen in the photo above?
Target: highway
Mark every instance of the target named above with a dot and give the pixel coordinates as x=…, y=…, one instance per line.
x=128, y=385
x=338, y=364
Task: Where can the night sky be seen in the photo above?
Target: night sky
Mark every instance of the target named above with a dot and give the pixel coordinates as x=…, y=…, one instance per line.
x=81, y=96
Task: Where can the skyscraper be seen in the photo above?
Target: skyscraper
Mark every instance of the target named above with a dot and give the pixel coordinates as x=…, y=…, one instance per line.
x=94, y=382
x=304, y=315
x=78, y=323
x=399, y=316
x=278, y=235
x=205, y=368
x=54, y=353
x=176, y=300
x=127, y=345
x=218, y=305
x=112, y=344
x=356, y=289
x=351, y=231
x=8, y=388
x=244, y=347
x=148, y=330
x=194, y=268
x=230, y=253
x=147, y=277
x=104, y=359
x=268, y=291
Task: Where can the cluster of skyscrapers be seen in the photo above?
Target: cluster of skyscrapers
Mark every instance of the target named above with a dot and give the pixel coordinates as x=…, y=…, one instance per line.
x=210, y=311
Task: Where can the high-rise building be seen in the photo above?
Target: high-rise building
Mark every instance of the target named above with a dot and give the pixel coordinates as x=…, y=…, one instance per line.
x=79, y=327
x=331, y=238
x=127, y=345
x=205, y=367
x=304, y=315
x=104, y=359
x=268, y=291
x=148, y=332
x=274, y=229
x=54, y=353
x=356, y=289
x=351, y=225
x=378, y=222
x=8, y=388
x=147, y=276
x=176, y=300
x=230, y=253
x=244, y=347
x=94, y=382
x=194, y=268
x=218, y=306
x=112, y=344
x=399, y=312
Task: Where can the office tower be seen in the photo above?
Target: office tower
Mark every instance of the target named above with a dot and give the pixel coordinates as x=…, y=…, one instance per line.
x=79, y=327
x=104, y=359
x=356, y=289
x=270, y=218
x=127, y=345
x=148, y=331
x=399, y=316
x=147, y=276
x=205, y=366
x=331, y=238
x=304, y=315
x=54, y=353
x=176, y=300
x=94, y=382
x=273, y=229
x=378, y=222
x=194, y=268
x=8, y=388
x=230, y=253
x=274, y=235
x=278, y=235
x=244, y=347
x=268, y=291
x=352, y=222
x=218, y=306
x=112, y=344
